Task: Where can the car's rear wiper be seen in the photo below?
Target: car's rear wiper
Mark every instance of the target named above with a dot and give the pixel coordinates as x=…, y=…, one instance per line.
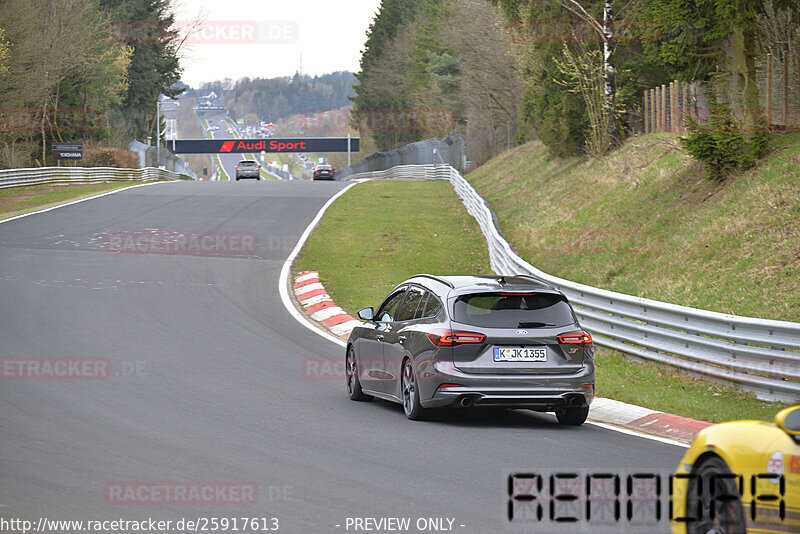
x=534, y=325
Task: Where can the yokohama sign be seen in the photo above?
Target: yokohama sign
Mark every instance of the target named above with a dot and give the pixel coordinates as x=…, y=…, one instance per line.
x=245, y=146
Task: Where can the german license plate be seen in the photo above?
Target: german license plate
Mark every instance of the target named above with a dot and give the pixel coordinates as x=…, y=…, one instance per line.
x=509, y=354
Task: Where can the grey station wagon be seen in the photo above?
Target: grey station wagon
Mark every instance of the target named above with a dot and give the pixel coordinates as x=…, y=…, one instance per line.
x=463, y=341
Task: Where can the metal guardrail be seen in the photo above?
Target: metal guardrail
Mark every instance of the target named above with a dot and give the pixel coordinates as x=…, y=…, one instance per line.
x=82, y=175
x=759, y=355
x=406, y=172
x=148, y=154
x=451, y=150
x=280, y=174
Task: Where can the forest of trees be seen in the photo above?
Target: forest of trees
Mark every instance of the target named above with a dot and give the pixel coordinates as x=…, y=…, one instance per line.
x=70, y=69
x=570, y=73
x=272, y=99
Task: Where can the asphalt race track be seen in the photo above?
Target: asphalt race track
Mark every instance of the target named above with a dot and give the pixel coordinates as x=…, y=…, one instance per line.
x=209, y=383
x=229, y=160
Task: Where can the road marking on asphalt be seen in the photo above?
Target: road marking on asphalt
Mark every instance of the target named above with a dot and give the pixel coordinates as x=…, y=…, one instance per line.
x=638, y=434
x=284, y=282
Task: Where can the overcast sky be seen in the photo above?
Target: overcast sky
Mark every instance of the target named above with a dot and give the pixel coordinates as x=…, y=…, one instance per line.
x=271, y=38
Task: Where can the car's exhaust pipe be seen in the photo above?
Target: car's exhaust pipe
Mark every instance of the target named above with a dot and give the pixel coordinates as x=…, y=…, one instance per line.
x=575, y=400
x=466, y=402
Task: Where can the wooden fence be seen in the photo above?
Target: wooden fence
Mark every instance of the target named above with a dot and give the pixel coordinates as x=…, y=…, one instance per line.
x=665, y=108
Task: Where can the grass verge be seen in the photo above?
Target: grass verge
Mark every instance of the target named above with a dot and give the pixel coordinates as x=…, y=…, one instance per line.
x=20, y=200
x=380, y=233
x=662, y=388
x=223, y=176
x=645, y=221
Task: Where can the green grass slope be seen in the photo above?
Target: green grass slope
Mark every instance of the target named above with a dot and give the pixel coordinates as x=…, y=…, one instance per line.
x=380, y=233
x=644, y=221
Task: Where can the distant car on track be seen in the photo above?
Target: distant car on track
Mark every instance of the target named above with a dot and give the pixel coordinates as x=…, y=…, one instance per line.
x=248, y=169
x=324, y=172
x=733, y=470
x=465, y=341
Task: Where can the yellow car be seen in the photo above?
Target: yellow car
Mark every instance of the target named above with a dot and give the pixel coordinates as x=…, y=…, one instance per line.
x=740, y=476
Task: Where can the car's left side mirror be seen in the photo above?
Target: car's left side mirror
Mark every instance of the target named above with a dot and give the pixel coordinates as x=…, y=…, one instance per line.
x=789, y=421
x=366, y=314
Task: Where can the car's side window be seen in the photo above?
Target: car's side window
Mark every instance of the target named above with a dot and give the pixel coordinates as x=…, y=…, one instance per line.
x=432, y=307
x=421, y=308
x=414, y=296
x=387, y=312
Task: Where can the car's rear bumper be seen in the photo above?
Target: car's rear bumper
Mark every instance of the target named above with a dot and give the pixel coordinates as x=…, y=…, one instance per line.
x=451, y=387
x=545, y=401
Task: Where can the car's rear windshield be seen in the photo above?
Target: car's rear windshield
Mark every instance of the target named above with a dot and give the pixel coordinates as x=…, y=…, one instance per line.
x=324, y=168
x=513, y=310
x=247, y=163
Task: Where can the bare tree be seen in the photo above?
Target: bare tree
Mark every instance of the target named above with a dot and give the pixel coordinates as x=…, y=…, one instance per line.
x=605, y=29
x=777, y=29
x=491, y=85
x=53, y=41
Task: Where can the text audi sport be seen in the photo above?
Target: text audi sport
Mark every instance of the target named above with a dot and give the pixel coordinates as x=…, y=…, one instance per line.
x=467, y=341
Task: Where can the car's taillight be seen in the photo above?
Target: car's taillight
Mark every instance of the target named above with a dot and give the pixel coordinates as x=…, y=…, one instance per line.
x=237, y=167
x=442, y=337
x=581, y=337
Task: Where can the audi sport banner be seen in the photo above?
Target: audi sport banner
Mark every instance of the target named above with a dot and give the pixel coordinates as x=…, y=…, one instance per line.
x=242, y=146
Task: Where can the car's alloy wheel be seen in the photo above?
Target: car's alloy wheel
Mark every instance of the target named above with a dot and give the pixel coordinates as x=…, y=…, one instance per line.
x=728, y=512
x=353, y=384
x=411, y=404
x=573, y=415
